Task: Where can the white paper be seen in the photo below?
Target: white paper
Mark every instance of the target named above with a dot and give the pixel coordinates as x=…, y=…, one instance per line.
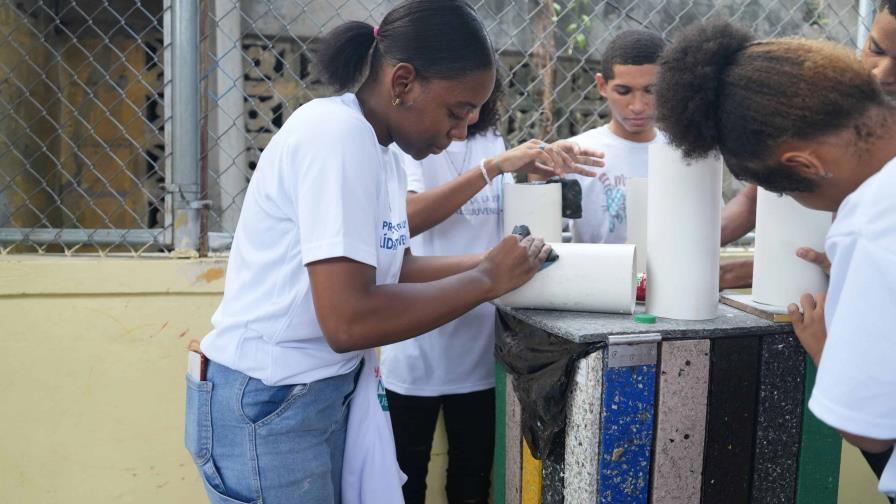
x=636, y=218
x=537, y=205
x=782, y=226
x=683, y=234
x=588, y=277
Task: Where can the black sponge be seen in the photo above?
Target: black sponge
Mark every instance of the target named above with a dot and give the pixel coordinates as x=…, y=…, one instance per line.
x=571, y=196
x=523, y=231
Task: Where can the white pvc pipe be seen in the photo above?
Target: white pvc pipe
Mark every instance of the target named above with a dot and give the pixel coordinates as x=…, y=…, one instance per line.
x=782, y=226
x=537, y=205
x=587, y=277
x=636, y=218
x=683, y=234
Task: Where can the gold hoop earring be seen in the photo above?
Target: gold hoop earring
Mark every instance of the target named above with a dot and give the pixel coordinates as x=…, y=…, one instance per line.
x=396, y=102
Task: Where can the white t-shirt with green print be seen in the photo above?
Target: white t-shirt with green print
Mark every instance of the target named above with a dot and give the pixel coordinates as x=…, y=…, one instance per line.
x=603, y=197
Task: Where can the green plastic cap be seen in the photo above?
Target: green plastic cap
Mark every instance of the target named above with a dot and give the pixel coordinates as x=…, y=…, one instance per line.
x=645, y=318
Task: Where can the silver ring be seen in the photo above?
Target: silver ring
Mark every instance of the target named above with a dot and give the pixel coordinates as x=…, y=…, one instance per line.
x=541, y=147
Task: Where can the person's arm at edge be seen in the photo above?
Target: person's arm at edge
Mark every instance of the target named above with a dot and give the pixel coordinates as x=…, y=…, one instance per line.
x=429, y=208
x=739, y=215
x=809, y=326
x=420, y=269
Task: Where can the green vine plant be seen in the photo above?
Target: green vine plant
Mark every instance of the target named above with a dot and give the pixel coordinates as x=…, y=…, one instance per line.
x=815, y=14
x=577, y=21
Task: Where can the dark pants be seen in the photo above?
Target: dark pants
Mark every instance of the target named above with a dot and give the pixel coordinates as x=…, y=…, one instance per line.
x=878, y=461
x=470, y=425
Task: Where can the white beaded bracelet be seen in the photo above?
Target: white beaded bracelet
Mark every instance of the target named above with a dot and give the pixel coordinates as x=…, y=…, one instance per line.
x=484, y=173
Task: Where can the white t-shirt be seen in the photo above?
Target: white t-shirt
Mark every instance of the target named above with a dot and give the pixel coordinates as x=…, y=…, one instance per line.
x=855, y=390
x=459, y=356
x=603, y=197
x=324, y=188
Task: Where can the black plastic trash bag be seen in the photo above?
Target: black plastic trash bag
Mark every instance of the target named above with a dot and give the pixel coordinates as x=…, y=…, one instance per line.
x=541, y=366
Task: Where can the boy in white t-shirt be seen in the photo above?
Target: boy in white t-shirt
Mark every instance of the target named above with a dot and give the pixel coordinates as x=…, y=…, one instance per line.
x=628, y=73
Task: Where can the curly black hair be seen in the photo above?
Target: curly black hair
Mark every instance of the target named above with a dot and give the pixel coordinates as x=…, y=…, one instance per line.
x=718, y=88
x=490, y=112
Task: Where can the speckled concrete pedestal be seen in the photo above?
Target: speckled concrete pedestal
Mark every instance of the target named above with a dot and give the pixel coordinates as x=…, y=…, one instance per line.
x=730, y=420
x=626, y=429
x=582, y=430
x=678, y=455
x=779, y=417
x=717, y=416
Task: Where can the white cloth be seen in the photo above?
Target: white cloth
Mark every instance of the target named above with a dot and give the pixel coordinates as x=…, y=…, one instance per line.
x=458, y=357
x=855, y=390
x=324, y=188
x=370, y=471
x=603, y=197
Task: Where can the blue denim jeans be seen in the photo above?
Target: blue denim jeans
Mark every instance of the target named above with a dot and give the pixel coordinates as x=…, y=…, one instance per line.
x=254, y=443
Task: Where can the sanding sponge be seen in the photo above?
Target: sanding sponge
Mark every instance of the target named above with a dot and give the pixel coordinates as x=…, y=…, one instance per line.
x=523, y=231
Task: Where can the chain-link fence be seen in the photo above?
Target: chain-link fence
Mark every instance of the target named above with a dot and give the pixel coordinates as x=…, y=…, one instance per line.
x=94, y=158
x=81, y=143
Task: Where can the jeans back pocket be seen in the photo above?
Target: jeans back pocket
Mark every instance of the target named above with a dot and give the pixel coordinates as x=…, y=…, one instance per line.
x=198, y=420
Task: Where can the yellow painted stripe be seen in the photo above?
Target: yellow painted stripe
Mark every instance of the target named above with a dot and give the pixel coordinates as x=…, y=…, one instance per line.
x=531, y=477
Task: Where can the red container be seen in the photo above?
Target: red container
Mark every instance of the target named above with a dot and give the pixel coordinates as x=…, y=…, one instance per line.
x=641, y=292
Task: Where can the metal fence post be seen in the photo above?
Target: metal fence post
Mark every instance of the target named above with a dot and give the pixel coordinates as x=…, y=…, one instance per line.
x=866, y=17
x=227, y=157
x=184, y=183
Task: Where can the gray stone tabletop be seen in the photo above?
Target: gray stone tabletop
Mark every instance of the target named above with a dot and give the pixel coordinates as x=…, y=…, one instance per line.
x=582, y=327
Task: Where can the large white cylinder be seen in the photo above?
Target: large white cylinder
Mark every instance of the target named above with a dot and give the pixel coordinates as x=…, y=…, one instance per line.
x=782, y=226
x=537, y=205
x=636, y=218
x=587, y=277
x=683, y=234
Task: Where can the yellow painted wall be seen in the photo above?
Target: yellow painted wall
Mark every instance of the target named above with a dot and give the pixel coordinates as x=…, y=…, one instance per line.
x=92, y=362
x=858, y=485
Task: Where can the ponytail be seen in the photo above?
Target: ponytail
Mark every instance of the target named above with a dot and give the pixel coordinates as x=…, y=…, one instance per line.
x=341, y=54
x=441, y=39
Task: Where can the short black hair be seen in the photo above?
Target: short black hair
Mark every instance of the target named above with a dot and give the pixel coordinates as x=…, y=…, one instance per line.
x=632, y=47
x=889, y=5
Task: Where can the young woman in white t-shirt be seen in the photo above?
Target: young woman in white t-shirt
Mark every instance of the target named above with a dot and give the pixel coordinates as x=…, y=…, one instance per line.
x=804, y=118
x=451, y=211
x=319, y=267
